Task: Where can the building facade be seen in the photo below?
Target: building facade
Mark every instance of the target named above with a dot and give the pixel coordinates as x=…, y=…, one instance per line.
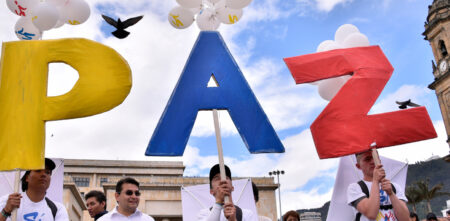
x=160, y=184
x=310, y=216
x=437, y=32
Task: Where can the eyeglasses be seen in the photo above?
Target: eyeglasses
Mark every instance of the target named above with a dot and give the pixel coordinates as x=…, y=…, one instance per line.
x=130, y=193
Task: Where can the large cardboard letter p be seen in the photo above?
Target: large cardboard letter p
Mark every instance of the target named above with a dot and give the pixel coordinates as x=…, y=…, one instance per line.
x=104, y=82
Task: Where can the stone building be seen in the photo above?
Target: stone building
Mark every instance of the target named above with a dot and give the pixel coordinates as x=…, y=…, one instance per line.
x=160, y=184
x=310, y=216
x=437, y=32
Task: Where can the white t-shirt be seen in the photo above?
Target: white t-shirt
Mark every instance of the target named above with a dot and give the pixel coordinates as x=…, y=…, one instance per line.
x=31, y=211
x=354, y=192
x=216, y=214
x=114, y=215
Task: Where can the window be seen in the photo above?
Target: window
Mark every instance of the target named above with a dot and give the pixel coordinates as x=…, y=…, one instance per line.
x=103, y=180
x=81, y=181
x=442, y=48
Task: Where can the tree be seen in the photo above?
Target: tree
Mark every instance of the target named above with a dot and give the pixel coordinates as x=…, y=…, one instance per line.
x=413, y=197
x=425, y=193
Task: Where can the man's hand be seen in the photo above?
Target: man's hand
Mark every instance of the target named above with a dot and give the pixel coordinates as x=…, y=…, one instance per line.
x=13, y=202
x=386, y=186
x=378, y=173
x=229, y=211
x=224, y=189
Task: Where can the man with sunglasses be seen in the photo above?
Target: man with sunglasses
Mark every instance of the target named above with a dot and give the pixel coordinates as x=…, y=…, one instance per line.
x=127, y=197
x=33, y=204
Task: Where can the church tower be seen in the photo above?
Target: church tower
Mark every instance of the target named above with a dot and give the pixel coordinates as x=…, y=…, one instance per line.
x=437, y=32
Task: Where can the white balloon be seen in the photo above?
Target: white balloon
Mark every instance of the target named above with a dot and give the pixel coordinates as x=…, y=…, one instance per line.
x=323, y=45
x=207, y=20
x=76, y=12
x=229, y=15
x=332, y=46
x=61, y=20
x=343, y=31
x=195, y=10
x=25, y=30
x=356, y=40
x=21, y=7
x=238, y=3
x=219, y=4
x=328, y=88
x=57, y=2
x=190, y=3
x=180, y=17
x=45, y=16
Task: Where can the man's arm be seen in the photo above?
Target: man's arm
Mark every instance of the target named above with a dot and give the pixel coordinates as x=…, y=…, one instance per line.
x=210, y=215
x=400, y=209
x=370, y=207
x=12, y=203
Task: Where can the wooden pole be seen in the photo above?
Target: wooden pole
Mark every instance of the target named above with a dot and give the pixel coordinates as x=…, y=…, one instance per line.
x=376, y=158
x=16, y=190
x=219, y=149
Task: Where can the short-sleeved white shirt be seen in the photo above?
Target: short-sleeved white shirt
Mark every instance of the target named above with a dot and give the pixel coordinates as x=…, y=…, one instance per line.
x=216, y=214
x=40, y=211
x=354, y=192
x=114, y=215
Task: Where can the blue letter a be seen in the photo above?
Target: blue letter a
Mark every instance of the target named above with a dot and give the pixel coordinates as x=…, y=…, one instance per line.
x=210, y=56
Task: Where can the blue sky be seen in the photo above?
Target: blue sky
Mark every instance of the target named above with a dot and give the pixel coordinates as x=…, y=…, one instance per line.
x=269, y=31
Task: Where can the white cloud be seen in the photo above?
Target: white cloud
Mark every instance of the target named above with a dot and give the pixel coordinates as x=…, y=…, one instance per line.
x=416, y=93
x=328, y=5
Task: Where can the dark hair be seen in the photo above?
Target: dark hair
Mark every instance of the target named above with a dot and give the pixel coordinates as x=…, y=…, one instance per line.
x=99, y=196
x=255, y=192
x=413, y=214
x=431, y=216
x=125, y=180
x=215, y=170
x=291, y=213
x=448, y=212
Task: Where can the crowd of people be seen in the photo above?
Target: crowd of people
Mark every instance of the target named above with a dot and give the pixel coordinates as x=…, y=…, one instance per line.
x=373, y=198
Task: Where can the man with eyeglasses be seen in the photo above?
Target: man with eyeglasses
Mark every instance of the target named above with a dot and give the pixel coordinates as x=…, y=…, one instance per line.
x=127, y=197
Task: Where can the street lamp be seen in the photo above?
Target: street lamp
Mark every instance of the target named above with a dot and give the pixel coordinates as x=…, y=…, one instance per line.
x=278, y=172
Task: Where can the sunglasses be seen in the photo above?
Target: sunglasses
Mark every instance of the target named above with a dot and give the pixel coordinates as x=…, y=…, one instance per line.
x=130, y=193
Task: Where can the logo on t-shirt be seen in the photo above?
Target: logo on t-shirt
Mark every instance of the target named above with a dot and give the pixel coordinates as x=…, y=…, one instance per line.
x=32, y=216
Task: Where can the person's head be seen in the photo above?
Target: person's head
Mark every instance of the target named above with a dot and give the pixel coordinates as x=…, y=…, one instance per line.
x=431, y=217
x=291, y=216
x=255, y=192
x=448, y=213
x=95, y=202
x=364, y=162
x=413, y=216
x=214, y=177
x=127, y=195
x=38, y=180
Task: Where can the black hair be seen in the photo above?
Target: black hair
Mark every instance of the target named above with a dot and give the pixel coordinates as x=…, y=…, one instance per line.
x=413, y=214
x=99, y=196
x=255, y=192
x=125, y=180
x=215, y=170
x=24, y=181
